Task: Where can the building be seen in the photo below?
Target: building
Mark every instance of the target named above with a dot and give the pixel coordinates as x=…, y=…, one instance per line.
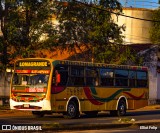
x=136, y=25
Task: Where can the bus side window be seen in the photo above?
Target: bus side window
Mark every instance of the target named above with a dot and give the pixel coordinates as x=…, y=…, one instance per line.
x=76, y=77
x=57, y=78
x=60, y=75
x=107, y=76
x=121, y=77
x=92, y=76
x=132, y=78
x=142, y=79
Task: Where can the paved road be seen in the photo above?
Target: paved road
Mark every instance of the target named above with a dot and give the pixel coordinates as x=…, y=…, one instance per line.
x=102, y=118
x=116, y=131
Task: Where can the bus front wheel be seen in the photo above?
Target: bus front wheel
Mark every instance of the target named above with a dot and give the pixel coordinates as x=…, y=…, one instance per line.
x=72, y=110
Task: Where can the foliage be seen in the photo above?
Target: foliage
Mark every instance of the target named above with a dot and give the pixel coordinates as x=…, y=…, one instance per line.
x=155, y=30
x=90, y=27
x=26, y=25
x=130, y=57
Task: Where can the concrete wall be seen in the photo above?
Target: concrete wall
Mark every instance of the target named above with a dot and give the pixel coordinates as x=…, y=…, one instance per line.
x=137, y=31
x=158, y=82
x=152, y=85
x=4, y=87
x=154, y=77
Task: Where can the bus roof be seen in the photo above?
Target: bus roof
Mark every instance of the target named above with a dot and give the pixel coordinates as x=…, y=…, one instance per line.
x=81, y=63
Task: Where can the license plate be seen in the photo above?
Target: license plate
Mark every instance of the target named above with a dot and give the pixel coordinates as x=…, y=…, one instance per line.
x=35, y=90
x=26, y=105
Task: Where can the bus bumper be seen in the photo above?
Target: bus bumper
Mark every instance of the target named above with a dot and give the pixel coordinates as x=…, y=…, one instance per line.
x=32, y=106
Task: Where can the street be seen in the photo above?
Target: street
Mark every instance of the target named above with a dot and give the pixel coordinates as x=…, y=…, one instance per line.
x=100, y=120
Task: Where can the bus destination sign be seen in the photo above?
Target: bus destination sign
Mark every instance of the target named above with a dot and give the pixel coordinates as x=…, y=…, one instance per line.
x=33, y=63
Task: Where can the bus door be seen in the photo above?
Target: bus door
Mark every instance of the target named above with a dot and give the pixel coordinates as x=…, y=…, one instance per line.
x=59, y=82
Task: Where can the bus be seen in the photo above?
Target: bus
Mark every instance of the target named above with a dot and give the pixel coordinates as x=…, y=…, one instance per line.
x=46, y=86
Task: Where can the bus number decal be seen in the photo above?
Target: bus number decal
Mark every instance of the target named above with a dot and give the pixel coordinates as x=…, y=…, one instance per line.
x=74, y=91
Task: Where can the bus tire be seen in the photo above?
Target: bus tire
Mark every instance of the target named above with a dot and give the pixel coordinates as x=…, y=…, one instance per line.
x=121, y=110
x=72, y=110
x=91, y=113
x=38, y=114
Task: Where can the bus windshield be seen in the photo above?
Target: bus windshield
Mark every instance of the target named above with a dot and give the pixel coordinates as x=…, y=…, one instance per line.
x=30, y=79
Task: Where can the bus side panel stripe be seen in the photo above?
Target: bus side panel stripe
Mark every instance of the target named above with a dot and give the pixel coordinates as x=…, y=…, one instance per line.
x=134, y=97
x=90, y=96
x=90, y=93
x=107, y=99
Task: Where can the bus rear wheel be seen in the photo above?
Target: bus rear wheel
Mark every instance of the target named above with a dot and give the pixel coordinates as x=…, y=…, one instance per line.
x=72, y=110
x=38, y=114
x=121, y=110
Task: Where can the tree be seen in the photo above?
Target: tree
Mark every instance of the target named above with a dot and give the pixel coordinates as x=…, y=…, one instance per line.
x=26, y=26
x=155, y=30
x=89, y=26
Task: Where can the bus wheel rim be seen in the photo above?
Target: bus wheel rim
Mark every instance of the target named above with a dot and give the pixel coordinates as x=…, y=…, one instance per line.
x=122, y=109
x=71, y=110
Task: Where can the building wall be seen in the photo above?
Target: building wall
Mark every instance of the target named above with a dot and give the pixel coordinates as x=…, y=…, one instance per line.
x=152, y=85
x=158, y=86
x=158, y=83
x=4, y=87
x=154, y=77
x=137, y=31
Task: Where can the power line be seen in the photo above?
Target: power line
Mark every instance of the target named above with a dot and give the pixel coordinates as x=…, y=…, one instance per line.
x=115, y=12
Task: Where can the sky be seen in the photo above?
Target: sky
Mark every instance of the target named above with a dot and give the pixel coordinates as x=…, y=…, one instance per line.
x=151, y=4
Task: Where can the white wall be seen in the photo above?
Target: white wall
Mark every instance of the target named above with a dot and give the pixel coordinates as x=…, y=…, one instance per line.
x=152, y=83
x=158, y=82
x=4, y=84
x=137, y=31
